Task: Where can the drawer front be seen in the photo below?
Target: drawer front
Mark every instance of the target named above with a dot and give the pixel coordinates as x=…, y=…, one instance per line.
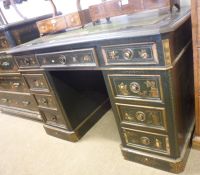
x=37, y=82
x=134, y=54
x=83, y=57
x=52, y=25
x=26, y=61
x=19, y=101
x=149, y=117
x=13, y=83
x=53, y=118
x=46, y=101
x=136, y=87
x=73, y=20
x=7, y=64
x=147, y=141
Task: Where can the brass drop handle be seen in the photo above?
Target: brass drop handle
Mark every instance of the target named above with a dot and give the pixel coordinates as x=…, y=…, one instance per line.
x=62, y=59
x=4, y=100
x=145, y=141
x=27, y=61
x=140, y=116
x=127, y=54
x=25, y=103
x=5, y=64
x=16, y=85
x=135, y=87
x=44, y=101
x=54, y=118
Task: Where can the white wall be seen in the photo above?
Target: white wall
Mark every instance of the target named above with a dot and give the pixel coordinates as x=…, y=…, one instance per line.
x=33, y=8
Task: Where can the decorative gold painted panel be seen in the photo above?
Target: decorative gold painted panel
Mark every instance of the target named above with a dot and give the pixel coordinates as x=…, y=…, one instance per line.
x=145, y=116
x=136, y=87
x=137, y=53
x=147, y=141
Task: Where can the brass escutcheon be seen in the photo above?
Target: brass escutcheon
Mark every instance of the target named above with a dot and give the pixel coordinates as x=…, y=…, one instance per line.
x=140, y=116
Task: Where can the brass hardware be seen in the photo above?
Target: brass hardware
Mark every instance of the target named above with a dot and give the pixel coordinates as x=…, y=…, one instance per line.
x=25, y=103
x=62, y=59
x=4, y=100
x=166, y=51
x=143, y=54
x=135, y=87
x=44, y=101
x=54, y=118
x=153, y=89
x=86, y=58
x=123, y=88
x=145, y=141
x=158, y=144
x=36, y=82
x=140, y=116
x=16, y=85
x=128, y=54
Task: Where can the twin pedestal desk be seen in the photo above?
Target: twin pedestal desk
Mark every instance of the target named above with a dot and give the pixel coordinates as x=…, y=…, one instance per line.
x=142, y=65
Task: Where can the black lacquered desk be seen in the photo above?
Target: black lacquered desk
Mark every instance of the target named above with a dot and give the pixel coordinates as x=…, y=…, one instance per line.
x=145, y=66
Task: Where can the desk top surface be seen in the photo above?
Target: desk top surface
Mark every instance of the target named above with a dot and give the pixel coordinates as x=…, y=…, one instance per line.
x=120, y=27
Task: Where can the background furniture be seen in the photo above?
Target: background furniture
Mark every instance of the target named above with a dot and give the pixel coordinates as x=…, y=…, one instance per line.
x=148, y=75
x=196, y=43
x=15, y=97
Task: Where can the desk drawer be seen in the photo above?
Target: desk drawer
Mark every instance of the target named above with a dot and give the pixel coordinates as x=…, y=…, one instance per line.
x=13, y=83
x=26, y=61
x=53, y=118
x=37, y=82
x=7, y=64
x=19, y=101
x=151, y=142
x=131, y=54
x=136, y=87
x=82, y=57
x=46, y=101
x=145, y=116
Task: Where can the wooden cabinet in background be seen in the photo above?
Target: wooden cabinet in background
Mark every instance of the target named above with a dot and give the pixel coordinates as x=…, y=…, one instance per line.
x=196, y=54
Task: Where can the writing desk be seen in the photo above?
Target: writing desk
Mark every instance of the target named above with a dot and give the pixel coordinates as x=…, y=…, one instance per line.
x=146, y=64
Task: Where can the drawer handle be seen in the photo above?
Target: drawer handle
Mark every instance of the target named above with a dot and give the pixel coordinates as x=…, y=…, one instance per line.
x=140, y=116
x=62, y=59
x=135, y=87
x=5, y=64
x=4, y=100
x=54, y=118
x=25, y=103
x=145, y=141
x=16, y=85
x=128, y=54
x=44, y=101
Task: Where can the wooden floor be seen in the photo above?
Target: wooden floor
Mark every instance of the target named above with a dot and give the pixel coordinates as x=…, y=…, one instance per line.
x=25, y=149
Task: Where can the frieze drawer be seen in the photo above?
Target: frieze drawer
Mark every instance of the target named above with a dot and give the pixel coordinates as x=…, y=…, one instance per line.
x=53, y=118
x=37, y=82
x=83, y=57
x=145, y=116
x=151, y=142
x=136, y=87
x=13, y=83
x=24, y=101
x=46, y=101
x=7, y=64
x=131, y=54
x=26, y=61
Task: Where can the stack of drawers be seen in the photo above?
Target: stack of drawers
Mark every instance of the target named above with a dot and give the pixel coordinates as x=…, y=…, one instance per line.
x=64, y=117
x=153, y=105
x=15, y=97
